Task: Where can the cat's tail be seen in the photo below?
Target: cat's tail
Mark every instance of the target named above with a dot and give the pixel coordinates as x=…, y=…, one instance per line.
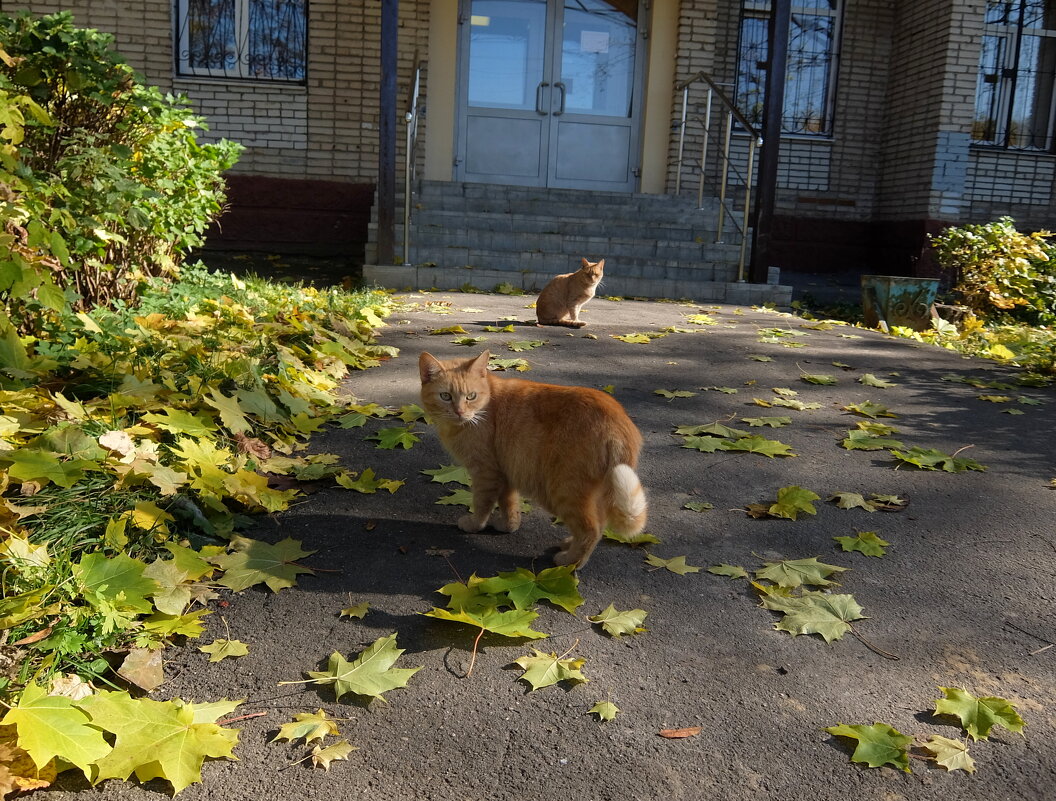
x=626, y=501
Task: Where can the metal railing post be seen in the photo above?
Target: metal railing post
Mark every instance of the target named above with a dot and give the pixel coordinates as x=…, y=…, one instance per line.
x=725, y=177
x=747, y=207
x=704, y=148
x=681, y=139
x=411, y=118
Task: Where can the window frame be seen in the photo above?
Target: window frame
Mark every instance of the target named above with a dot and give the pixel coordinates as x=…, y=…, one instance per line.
x=997, y=130
x=761, y=10
x=241, y=68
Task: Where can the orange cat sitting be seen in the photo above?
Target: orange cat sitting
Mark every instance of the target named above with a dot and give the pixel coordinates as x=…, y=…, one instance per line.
x=573, y=450
x=561, y=299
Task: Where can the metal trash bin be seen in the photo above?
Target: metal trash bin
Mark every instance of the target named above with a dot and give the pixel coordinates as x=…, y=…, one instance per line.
x=889, y=300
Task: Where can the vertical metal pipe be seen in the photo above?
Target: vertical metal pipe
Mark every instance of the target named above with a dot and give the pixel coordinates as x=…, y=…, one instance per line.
x=747, y=207
x=387, y=133
x=704, y=148
x=725, y=176
x=681, y=138
x=408, y=163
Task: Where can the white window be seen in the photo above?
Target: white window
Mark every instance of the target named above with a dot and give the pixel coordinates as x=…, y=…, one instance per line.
x=249, y=39
x=813, y=50
x=1014, y=105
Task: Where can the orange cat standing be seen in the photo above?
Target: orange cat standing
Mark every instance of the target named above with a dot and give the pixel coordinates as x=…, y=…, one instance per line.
x=573, y=450
x=562, y=298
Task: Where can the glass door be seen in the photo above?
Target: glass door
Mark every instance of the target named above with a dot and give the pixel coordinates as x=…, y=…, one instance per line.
x=549, y=93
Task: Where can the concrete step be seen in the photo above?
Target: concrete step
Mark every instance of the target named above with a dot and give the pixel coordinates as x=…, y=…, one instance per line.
x=529, y=282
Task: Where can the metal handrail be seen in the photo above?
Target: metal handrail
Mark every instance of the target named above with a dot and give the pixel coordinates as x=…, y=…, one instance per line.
x=715, y=91
x=411, y=118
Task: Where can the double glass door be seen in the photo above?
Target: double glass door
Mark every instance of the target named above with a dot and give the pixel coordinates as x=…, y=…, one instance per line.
x=550, y=93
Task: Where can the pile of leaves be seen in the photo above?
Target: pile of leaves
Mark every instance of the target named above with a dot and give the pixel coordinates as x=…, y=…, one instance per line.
x=133, y=431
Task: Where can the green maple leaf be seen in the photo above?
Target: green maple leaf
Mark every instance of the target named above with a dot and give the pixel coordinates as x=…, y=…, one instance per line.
x=772, y=422
x=605, y=710
x=759, y=358
x=616, y=623
x=978, y=715
x=411, y=412
x=177, y=421
x=524, y=344
x=784, y=392
x=814, y=613
x=723, y=390
x=542, y=669
x=367, y=482
x=322, y=757
x=871, y=380
x=792, y=403
x=704, y=444
x=852, y=500
x=252, y=562
x=470, y=340
x=676, y=393
x=506, y=329
x=932, y=459
x=221, y=649
x=869, y=409
x=711, y=430
x=520, y=365
x=761, y=445
x=793, y=500
x=817, y=378
x=797, y=572
x=730, y=571
x=676, y=564
x=858, y=440
x=559, y=585
x=636, y=338
x=156, y=739
x=701, y=319
x=951, y=754
x=309, y=725
x=867, y=542
x=352, y=420
x=52, y=726
x=451, y=329
x=508, y=623
x=119, y=581
x=370, y=674
x=458, y=497
x=1013, y=411
x=878, y=744
x=357, y=611
x=995, y=398
x=876, y=428
x=391, y=438
x=641, y=538
x=698, y=506
x=29, y=464
x=166, y=625
x=230, y=410
x=449, y=474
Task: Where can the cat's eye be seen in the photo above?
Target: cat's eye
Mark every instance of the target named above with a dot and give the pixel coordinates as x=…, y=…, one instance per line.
x=445, y=396
x=471, y=395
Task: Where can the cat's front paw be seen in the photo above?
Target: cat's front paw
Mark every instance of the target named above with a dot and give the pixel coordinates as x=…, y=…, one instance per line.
x=469, y=524
x=508, y=524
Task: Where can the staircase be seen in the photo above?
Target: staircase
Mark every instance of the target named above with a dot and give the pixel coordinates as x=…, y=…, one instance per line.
x=483, y=235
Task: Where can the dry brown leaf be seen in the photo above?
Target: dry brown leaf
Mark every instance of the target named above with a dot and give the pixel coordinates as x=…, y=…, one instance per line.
x=679, y=734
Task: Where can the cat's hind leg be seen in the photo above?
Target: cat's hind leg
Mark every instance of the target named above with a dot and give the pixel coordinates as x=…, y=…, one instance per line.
x=585, y=526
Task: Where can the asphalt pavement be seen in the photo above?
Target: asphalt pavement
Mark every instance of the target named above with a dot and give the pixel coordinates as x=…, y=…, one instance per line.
x=964, y=596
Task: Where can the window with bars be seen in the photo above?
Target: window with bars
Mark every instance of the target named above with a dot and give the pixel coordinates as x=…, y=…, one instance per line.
x=810, y=80
x=1014, y=98
x=247, y=39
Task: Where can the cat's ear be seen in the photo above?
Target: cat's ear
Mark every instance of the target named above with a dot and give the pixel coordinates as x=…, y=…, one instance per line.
x=585, y=262
x=429, y=367
x=480, y=364
x=601, y=265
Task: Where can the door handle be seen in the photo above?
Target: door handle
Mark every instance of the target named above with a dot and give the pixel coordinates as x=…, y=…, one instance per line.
x=561, y=108
x=539, y=98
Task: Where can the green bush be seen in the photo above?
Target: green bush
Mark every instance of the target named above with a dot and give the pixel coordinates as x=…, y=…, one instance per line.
x=1000, y=273
x=106, y=183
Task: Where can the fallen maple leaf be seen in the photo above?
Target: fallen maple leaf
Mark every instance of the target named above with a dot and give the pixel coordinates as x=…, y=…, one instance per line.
x=814, y=613
x=878, y=744
x=852, y=500
x=221, y=649
x=616, y=623
x=322, y=757
x=796, y=572
x=730, y=571
x=310, y=726
x=951, y=754
x=543, y=670
x=791, y=501
x=605, y=710
x=676, y=564
x=978, y=715
x=254, y=562
x=369, y=674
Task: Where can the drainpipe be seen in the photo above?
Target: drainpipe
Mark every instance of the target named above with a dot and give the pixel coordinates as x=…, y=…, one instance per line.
x=773, y=105
x=387, y=134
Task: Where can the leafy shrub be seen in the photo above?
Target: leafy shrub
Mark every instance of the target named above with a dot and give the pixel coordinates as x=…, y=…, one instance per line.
x=106, y=181
x=1000, y=273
